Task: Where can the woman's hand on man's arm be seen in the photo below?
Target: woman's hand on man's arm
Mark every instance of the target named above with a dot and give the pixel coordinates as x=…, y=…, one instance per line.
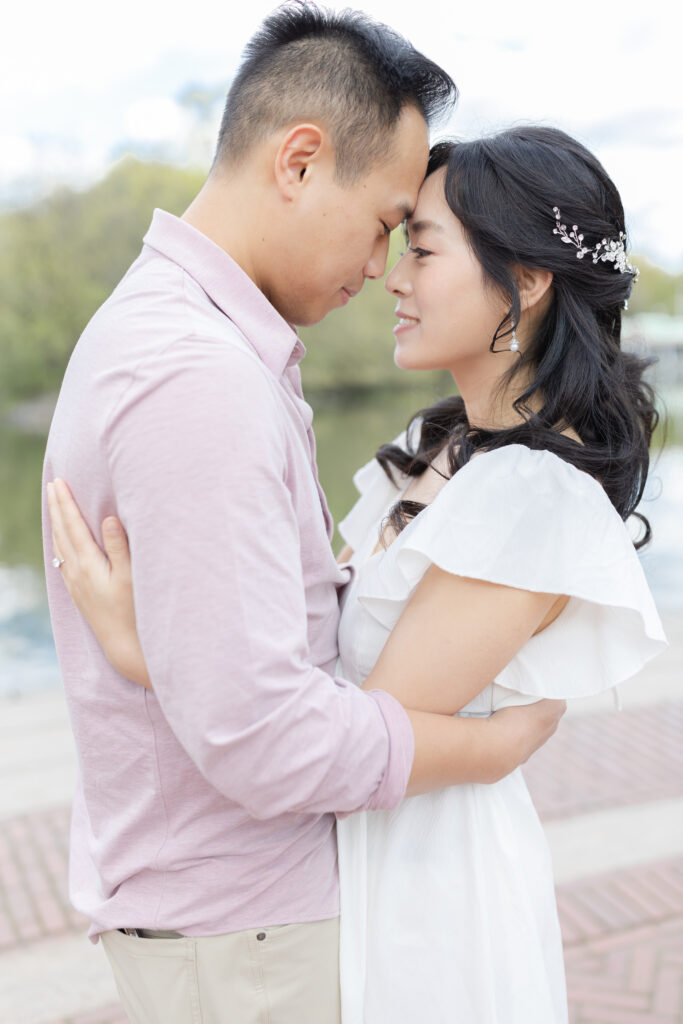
x=99, y=582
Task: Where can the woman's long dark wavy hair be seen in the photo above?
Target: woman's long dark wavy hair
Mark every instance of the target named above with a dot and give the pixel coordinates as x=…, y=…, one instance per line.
x=503, y=189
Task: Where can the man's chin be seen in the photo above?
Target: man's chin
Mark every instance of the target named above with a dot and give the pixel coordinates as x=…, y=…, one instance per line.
x=313, y=315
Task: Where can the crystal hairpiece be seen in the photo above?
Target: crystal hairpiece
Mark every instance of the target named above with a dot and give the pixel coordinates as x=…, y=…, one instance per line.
x=606, y=251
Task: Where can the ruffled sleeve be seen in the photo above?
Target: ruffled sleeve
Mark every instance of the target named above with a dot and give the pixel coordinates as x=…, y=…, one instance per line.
x=528, y=519
x=377, y=494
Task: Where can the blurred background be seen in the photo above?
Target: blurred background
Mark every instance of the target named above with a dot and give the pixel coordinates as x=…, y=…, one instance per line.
x=106, y=113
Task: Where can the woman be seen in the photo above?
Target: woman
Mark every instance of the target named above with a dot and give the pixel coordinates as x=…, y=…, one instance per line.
x=489, y=543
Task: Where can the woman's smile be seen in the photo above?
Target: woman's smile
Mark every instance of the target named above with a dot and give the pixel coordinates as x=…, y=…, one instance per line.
x=405, y=322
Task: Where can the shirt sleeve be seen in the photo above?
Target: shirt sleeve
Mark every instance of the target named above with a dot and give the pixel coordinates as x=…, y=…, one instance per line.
x=197, y=454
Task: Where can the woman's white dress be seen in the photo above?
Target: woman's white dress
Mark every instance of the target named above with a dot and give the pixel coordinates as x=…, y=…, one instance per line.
x=448, y=912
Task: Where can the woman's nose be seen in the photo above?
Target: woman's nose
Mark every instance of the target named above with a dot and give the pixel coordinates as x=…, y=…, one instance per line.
x=397, y=282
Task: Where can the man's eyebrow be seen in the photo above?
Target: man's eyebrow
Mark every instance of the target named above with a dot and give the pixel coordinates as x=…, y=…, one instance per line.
x=423, y=225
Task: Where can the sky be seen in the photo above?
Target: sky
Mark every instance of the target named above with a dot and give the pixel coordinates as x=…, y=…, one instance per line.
x=83, y=83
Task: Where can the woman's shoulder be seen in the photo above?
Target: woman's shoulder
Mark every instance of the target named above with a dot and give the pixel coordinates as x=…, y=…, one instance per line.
x=522, y=496
x=519, y=467
x=526, y=518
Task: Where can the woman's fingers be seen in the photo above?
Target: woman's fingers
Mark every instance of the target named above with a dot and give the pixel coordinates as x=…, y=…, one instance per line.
x=73, y=523
x=56, y=551
x=74, y=540
x=60, y=540
x=116, y=543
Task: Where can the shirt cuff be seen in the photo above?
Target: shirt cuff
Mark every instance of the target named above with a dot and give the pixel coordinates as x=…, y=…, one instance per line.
x=392, y=787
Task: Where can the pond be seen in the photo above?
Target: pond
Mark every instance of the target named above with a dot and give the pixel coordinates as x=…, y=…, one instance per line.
x=348, y=433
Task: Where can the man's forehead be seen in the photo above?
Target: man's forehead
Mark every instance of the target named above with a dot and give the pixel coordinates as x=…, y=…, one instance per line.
x=396, y=182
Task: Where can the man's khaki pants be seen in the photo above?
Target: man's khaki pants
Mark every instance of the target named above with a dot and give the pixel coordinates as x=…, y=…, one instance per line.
x=283, y=975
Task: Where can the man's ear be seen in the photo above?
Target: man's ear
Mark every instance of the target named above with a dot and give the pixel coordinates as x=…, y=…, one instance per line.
x=533, y=284
x=300, y=149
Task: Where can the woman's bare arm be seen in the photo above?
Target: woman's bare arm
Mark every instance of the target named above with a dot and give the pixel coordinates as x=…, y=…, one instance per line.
x=454, y=637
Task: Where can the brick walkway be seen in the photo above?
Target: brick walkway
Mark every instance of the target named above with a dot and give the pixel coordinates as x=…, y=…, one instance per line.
x=599, y=761
x=630, y=978
x=623, y=936
x=33, y=878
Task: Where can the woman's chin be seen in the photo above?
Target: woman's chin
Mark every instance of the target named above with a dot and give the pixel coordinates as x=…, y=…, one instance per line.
x=404, y=358
x=401, y=361
x=410, y=360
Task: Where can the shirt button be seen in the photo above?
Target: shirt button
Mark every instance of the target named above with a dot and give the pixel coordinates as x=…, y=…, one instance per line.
x=261, y=936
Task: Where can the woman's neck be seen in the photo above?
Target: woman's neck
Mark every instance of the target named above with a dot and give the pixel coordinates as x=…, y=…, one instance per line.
x=490, y=405
x=488, y=402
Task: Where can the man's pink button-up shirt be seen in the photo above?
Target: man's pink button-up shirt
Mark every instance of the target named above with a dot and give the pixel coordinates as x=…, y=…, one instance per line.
x=207, y=806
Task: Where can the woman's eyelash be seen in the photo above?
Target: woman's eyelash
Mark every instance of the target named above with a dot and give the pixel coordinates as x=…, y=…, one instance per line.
x=417, y=252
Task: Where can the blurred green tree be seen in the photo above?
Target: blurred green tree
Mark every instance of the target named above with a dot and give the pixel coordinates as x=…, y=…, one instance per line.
x=656, y=291
x=60, y=259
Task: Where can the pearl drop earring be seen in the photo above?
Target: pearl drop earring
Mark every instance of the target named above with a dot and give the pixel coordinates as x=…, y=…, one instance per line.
x=514, y=344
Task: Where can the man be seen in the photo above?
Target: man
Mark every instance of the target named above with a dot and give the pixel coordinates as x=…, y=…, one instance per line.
x=203, y=845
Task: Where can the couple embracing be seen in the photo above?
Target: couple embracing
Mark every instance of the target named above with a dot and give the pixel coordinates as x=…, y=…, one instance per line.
x=299, y=795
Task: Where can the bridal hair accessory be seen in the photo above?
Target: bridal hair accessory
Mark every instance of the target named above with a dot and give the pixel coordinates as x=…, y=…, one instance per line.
x=606, y=251
x=58, y=562
x=514, y=344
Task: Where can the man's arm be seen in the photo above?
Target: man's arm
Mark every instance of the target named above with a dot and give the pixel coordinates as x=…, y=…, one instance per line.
x=451, y=751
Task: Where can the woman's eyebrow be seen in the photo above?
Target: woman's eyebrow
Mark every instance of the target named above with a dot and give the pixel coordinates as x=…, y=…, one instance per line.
x=414, y=226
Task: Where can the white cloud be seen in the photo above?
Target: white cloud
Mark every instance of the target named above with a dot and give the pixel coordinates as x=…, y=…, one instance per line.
x=156, y=119
x=17, y=155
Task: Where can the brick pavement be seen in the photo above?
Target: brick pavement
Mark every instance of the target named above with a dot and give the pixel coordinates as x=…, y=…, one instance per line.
x=635, y=977
x=599, y=761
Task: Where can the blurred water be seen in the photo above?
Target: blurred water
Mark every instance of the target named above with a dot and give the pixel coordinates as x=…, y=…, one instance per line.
x=348, y=434
x=27, y=655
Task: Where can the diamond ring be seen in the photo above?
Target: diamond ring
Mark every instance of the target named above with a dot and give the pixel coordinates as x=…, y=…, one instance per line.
x=58, y=562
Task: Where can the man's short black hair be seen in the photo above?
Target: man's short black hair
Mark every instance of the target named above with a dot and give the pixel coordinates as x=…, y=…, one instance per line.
x=341, y=69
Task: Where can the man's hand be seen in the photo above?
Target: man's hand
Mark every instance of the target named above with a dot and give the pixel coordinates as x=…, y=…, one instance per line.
x=522, y=730
x=451, y=750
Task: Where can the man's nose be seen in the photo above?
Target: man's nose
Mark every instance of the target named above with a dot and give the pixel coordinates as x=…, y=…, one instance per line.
x=377, y=263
